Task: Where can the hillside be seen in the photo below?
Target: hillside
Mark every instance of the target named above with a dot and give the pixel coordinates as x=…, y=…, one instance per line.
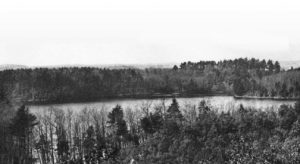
x=251, y=77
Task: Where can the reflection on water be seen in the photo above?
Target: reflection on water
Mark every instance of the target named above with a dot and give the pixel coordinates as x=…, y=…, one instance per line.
x=220, y=103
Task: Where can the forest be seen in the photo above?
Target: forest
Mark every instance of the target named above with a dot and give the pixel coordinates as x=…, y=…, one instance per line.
x=240, y=77
x=166, y=134
x=150, y=134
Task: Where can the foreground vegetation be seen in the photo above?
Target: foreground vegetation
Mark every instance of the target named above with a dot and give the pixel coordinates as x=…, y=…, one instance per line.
x=251, y=77
x=151, y=134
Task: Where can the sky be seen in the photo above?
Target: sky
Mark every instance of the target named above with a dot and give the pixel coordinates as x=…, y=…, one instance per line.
x=88, y=32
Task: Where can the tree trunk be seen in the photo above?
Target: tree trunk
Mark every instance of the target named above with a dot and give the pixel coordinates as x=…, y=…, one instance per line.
x=51, y=138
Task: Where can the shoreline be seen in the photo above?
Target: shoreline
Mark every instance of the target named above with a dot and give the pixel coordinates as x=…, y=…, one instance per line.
x=154, y=96
x=266, y=98
x=157, y=96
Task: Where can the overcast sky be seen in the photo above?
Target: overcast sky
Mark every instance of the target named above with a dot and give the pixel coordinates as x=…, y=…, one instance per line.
x=55, y=32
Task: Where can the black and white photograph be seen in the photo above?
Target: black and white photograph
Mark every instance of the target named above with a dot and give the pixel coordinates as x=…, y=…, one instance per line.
x=150, y=82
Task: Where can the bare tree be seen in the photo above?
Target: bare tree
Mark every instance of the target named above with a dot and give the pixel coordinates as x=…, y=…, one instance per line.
x=190, y=113
x=145, y=107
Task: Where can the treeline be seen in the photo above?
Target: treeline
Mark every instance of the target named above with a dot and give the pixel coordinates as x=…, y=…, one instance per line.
x=70, y=84
x=152, y=134
x=90, y=84
x=231, y=77
x=268, y=67
x=251, y=77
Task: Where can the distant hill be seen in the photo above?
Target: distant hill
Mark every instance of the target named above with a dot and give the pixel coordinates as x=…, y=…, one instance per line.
x=109, y=66
x=118, y=66
x=284, y=64
x=138, y=66
x=11, y=66
x=288, y=64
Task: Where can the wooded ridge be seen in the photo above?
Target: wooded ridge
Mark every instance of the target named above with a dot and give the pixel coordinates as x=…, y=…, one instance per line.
x=240, y=77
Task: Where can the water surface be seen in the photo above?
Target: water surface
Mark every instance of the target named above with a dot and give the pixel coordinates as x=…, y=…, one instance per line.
x=219, y=103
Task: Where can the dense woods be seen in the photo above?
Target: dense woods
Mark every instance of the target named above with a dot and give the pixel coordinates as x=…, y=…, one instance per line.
x=152, y=134
x=250, y=77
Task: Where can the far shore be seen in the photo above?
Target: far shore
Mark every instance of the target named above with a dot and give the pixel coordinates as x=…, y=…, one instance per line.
x=267, y=98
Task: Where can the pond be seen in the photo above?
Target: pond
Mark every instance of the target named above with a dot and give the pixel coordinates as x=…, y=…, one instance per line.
x=219, y=103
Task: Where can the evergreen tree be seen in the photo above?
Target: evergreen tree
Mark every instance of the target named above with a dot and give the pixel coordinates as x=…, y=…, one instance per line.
x=263, y=64
x=22, y=127
x=173, y=111
x=183, y=65
x=152, y=123
x=118, y=133
x=270, y=66
x=116, y=119
x=175, y=68
x=116, y=115
x=146, y=125
x=173, y=119
x=277, y=67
